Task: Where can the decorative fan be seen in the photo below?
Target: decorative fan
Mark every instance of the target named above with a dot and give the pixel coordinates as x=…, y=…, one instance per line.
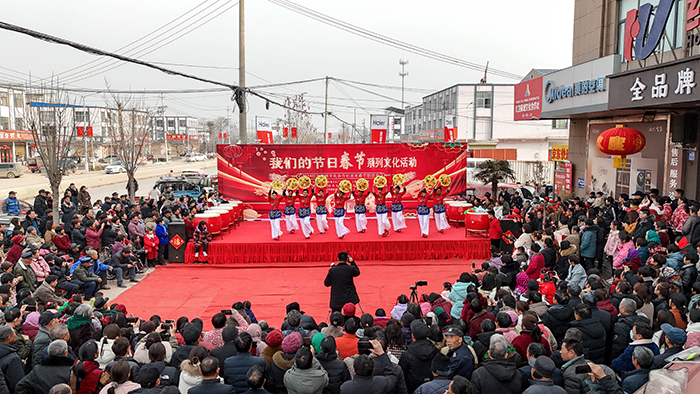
x=430, y=181
x=276, y=185
x=304, y=182
x=398, y=179
x=345, y=186
x=292, y=184
x=321, y=181
x=362, y=184
x=445, y=180
x=379, y=181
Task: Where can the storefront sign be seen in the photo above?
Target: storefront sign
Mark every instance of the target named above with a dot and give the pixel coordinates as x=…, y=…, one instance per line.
x=177, y=137
x=580, y=89
x=559, y=153
x=671, y=83
x=643, y=34
x=15, y=135
x=528, y=100
x=562, y=178
x=674, y=167
x=379, y=127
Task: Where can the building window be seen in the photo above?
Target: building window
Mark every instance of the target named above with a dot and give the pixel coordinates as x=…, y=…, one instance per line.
x=4, y=101
x=19, y=100
x=675, y=27
x=81, y=116
x=159, y=122
x=47, y=116
x=560, y=124
x=483, y=99
x=183, y=123
x=4, y=123
x=171, y=123
x=19, y=123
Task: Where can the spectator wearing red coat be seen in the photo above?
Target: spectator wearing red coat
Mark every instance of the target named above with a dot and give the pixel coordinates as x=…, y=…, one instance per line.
x=495, y=231
x=536, y=264
x=150, y=244
x=531, y=333
x=479, y=316
x=61, y=240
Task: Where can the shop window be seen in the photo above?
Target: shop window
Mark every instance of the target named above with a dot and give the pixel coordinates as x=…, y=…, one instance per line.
x=171, y=123
x=19, y=100
x=19, y=123
x=4, y=101
x=560, y=124
x=483, y=99
x=4, y=123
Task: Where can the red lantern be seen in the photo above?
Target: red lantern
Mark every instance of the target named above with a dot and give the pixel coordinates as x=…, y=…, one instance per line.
x=621, y=141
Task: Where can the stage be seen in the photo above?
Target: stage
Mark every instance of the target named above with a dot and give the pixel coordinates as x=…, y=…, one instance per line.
x=203, y=290
x=251, y=242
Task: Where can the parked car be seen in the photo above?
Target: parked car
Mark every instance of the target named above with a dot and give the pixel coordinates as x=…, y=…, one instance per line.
x=115, y=168
x=11, y=170
x=69, y=165
x=109, y=159
x=24, y=207
x=192, y=157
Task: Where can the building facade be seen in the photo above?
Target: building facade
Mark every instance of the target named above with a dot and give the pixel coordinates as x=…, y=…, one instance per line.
x=15, y=140
x=483, y=116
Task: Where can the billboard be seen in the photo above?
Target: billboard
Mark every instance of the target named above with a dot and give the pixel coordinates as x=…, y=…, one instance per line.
x=528, y=100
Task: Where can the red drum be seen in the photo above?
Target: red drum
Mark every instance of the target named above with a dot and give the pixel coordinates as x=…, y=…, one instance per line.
x=213, y=221
x=455, y=211
x=232, y=211
x=449, y=211
x=226, y=217
x=238, y=211
x=477, y=222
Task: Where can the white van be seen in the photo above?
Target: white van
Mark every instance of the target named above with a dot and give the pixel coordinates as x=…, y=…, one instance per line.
x=472, y=167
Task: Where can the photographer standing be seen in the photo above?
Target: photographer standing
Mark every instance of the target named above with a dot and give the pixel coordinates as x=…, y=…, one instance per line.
x=340, y=280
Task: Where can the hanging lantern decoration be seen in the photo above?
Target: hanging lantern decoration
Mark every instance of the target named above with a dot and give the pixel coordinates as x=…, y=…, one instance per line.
x=620, y=142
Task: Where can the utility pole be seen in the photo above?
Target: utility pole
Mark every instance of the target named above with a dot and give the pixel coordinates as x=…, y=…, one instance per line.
x=354, y=124
x=325, y=117
x=402, y=74
x=243, y=125
x=165, y=127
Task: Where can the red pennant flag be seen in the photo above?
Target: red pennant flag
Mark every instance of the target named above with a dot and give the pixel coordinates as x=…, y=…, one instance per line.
x=285, y=132
x=80, y=131
x=89, y=131
x=294, y=132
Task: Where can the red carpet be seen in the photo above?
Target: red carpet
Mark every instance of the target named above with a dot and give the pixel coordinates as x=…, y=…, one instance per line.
x=202, y=291
x=252, y=243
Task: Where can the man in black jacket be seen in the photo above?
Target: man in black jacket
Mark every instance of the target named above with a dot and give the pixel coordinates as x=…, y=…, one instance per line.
x=55, y=369
x=127, y=263
x=340, y=280
x=41, y=204
x=559, y=316
x=364, y=382
x=417, y=359
x=592, y=332
x=229, y=334
x=496, y=374
x=338, y=372
x=210, y=383
x=623, y=325
x=10, y=363
x=483, y=339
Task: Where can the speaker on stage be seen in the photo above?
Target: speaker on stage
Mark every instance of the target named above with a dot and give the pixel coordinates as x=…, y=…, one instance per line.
x=178, y=242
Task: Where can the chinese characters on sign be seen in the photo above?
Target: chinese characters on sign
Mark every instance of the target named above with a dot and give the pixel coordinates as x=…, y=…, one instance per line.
x=675, y=162
x=344, y=162
x=15, y=135
x=559, y=153
x=554, y=93
x=686, y=82
x=528, y=100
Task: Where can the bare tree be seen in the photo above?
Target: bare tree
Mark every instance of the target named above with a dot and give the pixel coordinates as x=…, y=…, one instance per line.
x=50, y=118
x=129, y=131
x=301, y=119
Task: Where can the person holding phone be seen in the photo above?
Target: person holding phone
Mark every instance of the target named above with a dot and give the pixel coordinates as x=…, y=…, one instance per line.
x=574, y=377
x=340, y=279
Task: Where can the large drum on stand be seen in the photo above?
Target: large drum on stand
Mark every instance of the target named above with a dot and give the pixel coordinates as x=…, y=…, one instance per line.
x=238, y=213
x=455, y=211
x=477, y=222
x=213, y=221
x=226, y=216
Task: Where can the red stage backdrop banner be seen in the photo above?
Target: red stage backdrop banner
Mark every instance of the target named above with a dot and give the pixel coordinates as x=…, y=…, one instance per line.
x=246, y=171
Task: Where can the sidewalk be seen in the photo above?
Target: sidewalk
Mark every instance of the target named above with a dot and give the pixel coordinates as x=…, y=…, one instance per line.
x=28, y=186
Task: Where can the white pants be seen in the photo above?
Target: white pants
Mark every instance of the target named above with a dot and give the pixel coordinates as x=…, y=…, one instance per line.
x=424, y=221
x=441, y=221
x=275, y=226
x=322, y=223
x=383, y=224
x=398, y=219
x=360, y=221
x=306, y=226
x=291, y=222
x=340, y=228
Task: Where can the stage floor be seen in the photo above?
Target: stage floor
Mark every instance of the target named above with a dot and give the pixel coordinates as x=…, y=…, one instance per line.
x=203, y=290
x=252, y=242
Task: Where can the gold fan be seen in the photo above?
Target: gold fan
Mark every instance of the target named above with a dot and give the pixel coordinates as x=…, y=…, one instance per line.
x=362, y=184
x=379, y=181
x=304, y=182
x=345, y=186
x=430, y=181
x=398, y=179
x=292, y=184
x=321, y=181
x=445, y=180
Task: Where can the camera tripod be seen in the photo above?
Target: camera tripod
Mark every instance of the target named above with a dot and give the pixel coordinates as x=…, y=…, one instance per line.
x=414, y=295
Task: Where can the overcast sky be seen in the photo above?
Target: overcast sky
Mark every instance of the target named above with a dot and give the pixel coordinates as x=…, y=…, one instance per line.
x=283, y=46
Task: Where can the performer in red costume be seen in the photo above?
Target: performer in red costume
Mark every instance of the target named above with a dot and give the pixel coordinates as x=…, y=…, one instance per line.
x=424, y=212
x=397, y=209
x=305, y=212
x=339, y=213
x=360, y=210
x=275, y=214
x=290, y=212
x=321, y=211
x=383, y=224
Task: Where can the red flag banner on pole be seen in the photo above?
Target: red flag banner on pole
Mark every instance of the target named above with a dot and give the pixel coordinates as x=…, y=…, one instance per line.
x=81, y=131
x=285, y=132
x=449, y=126
x=294, y=132
x=222, y=136
x=89, y=131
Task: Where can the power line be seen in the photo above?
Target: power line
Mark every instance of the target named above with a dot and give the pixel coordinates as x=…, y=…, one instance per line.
x=328, y=20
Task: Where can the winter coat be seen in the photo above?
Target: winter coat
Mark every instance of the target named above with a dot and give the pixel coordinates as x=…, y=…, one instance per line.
x=105, y=355
x=150, y=243
x=558, y=318
x=535, y=266
x=62, y=243
x=544, y=387
x=11, y=365
x=383, y=382
x=337, y=371
x=623, y=251
x=438, y=385
x=124, y=388
x=461, y=362
x=41, y=341
x=398, y=310
x=594, y=338
x=416, y=361
x=78, y=237
x=522, y=341
x=458, y=295
x=633, y=380
x=92, y=237
x=281, y=363
x=623, y=362
x=688, y=274
x=340, y=280
x=109, y=235
x=643, y=225
x=162, y=233
x=482, y=343
x=496, y=376
x=577, y=274
x=202, y=237
x=540, y=308
x=495, y=231
x=607, y=306
x=475, y=322
x=211, y=386
x=22, y=269
x=51, y=371
x=190, y=376
x=621, y=333
x=588, y=241
x=84, y=198
x=612, y=243
x=306, y=381
x=237, y=367
x=575, y=383
x=693, y=332
x=45, y=294
x=550, y=257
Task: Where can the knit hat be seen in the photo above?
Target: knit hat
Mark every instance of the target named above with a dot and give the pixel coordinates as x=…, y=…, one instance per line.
x=291, y=343
x=17, y=239
x=316, y=342
x=255, y=332
x=348, y=309
x=274, y=338
x=513, y=318
x=191, y=333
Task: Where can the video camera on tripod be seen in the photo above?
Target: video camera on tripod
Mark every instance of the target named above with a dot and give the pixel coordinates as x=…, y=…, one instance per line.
x=414, y=290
